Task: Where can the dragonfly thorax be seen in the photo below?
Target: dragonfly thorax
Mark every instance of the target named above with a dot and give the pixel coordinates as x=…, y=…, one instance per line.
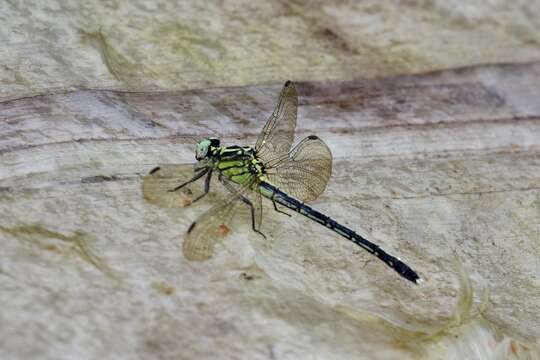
x=239, y=164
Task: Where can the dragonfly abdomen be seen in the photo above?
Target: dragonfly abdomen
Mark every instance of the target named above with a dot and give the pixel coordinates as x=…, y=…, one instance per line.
x=280, y=197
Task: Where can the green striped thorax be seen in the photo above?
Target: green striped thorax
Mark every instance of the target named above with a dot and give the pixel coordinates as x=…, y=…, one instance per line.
x=239, y=164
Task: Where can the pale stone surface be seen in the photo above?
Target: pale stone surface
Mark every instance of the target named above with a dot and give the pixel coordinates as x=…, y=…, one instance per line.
x=56, y=45
x=432, y=167
x=441, y=169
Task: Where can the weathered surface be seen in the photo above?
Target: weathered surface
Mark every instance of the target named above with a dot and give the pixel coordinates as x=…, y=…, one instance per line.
x=65, y=44
x=441, y=168
x=433, y=167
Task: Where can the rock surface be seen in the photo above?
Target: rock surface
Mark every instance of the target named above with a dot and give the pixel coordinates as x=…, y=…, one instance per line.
x=441, y=168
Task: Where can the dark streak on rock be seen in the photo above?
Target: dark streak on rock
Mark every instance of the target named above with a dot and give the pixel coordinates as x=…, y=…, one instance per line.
x=36, y=233
x=336, y=40
x=394, y=98
x=464, y=72
x=245, y=135
x=236, y=109
x=98, y=179
x=449, y=194
x=436, y=125
x=172, y=138
x=391, y=100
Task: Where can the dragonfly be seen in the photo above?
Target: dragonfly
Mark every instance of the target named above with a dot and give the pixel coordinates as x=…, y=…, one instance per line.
x=289, y=176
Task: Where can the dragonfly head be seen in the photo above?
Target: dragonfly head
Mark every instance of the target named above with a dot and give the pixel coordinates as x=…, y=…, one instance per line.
x=206, y=148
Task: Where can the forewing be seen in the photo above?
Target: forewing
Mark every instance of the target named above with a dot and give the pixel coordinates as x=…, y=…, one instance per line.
x=305, y=171
x=277, y=135
x=165, y=177
x=208, y=229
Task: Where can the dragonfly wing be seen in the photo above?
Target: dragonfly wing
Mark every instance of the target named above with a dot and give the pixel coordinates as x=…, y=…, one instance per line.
x=277, y=135
x=208, y=229
x=250, y=194
x=305, y=171
x=165, y=177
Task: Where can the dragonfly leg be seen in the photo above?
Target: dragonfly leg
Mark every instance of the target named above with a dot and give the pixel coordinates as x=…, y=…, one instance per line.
x=252, y=208
x=206, y=186
x=195, y=178
x=279, y=211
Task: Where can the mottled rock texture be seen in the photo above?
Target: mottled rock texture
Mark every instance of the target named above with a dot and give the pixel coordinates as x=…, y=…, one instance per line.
x=431, y=111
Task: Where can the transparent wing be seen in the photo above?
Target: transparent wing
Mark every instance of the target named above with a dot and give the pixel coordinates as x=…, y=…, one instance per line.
x=305, y=171
x=164, y=177
x=211, y=226
x=277, y=135
x=249, y=192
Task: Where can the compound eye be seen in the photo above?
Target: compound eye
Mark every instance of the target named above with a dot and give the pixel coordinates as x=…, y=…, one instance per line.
x=202, y=151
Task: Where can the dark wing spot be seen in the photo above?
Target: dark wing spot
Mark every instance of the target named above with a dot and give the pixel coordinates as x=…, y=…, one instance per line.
x=191, y=227
x=287, y=83
x=157, y=168
x=312, y=137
